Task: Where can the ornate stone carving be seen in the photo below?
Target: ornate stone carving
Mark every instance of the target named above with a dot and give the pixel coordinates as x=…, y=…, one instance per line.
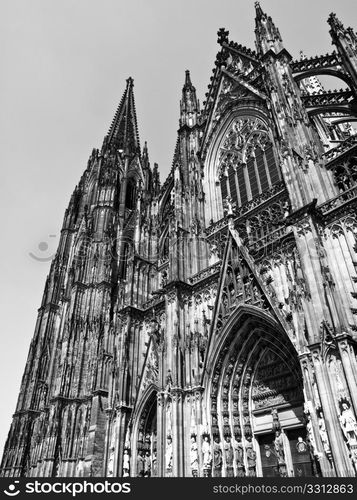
x=228, y=456
x=206, y=454
x=217, y=457
x=323, y=434
x=140, y=464
x=251, y=457
x=348, y=422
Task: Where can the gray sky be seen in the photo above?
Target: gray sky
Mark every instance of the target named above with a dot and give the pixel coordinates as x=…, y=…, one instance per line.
x=64, y=65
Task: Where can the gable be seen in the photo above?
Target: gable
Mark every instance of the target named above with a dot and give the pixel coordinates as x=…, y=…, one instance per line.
x=240, y=283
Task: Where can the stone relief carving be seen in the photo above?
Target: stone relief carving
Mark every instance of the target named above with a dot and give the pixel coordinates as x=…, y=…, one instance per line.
x=206, y=454
x=217, y=457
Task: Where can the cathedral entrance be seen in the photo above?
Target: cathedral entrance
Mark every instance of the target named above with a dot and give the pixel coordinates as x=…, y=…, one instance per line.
x=256, y=402
x=146, y=453
x=277, y=405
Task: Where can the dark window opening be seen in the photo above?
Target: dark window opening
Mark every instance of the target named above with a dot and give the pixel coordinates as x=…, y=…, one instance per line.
x=272, y=166
x=124, y=261
x=264, y=183
x=130, y=195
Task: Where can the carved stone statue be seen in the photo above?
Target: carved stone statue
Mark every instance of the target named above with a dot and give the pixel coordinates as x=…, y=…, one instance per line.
x=279, y=447
x=126, y=463
x=323, y=435
x=251, y=457
x=275, y=416
x=147, y=464
x=168, y=381
x=228, y=451
x=239, y=457
x=206, y=453
x=217, y=457
x=228, y=455
x=310, y=437
x=140, y=464
x=348, y=423
x=228, y=206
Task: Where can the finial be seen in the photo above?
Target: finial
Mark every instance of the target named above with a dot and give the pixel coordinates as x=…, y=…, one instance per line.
x=130, y=82
x=258, y=10
x=222, y=36
x=334, y=22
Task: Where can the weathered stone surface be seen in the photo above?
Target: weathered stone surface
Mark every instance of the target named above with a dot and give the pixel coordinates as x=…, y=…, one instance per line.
x=191, y=328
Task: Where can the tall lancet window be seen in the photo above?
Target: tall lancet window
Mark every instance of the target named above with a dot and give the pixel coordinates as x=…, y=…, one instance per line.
x=130, y=194
x=247, y=165
x=124, y=261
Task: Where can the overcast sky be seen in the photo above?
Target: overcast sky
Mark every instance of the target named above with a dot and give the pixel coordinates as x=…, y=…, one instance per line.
x=64, y=65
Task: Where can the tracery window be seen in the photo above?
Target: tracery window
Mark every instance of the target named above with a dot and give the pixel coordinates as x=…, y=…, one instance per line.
x=247, y=166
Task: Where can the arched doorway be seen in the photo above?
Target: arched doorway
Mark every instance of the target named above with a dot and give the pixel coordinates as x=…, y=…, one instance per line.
x=256, y=401
x=146, y=445
x=277, y=416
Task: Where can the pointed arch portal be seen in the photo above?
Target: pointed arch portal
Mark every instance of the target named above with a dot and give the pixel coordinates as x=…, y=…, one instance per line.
x=146, y=445
x=255, y=401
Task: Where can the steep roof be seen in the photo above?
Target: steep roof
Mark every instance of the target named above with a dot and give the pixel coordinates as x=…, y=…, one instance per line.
x=124, y=129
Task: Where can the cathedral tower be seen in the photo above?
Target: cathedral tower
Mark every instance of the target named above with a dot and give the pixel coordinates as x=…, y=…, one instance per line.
x=207, y=326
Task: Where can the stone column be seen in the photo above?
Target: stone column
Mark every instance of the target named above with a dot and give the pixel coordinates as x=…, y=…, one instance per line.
x=178, y=430
x=121, y=425
x=161, y=435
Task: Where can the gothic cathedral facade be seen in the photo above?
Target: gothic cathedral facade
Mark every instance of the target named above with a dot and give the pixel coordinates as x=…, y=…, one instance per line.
x=207, y=326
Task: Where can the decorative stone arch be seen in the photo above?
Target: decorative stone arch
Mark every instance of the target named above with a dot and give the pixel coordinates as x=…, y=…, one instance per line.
x=254, y=399
x=345, y=109
x=144, y=435
x=324, y=71
x=212, y=169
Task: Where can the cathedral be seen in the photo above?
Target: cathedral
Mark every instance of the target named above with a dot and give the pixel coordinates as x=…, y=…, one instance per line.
x=206, y=326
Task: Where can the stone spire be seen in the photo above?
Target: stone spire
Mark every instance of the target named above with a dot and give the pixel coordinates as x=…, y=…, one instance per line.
x=267, y=34
x=345, y=40
x=123, y=131
x=189, y=105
